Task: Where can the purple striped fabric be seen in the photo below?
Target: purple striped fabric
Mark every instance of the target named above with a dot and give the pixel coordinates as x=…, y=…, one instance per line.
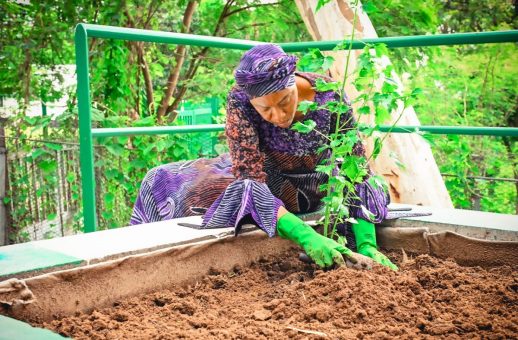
x=265, y=69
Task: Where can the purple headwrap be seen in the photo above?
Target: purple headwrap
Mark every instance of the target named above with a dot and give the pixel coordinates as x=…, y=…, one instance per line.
x=265, y=69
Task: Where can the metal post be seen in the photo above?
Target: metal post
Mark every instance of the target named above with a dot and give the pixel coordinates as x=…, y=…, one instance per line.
x=410, y=41
x=44, y=112
x=5, y=215
x=85, y=129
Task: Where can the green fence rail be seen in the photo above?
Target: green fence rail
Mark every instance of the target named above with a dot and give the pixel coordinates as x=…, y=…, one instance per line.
x=86, y=133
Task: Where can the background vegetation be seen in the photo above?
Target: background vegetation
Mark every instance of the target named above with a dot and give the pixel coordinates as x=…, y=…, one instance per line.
x=143, y=84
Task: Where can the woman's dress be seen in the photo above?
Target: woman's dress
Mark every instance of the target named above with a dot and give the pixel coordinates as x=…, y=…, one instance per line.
x=267, y=167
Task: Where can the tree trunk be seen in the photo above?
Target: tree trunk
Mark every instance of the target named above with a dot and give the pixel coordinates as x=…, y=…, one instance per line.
x=147, y=77
x=420, y=182
x=142, y=64
x=174, y=75
x=196, y=61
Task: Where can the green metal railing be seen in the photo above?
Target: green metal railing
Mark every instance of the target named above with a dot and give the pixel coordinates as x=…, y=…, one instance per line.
x=86, y=133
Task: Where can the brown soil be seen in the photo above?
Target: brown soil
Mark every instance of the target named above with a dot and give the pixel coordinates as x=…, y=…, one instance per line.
x=283, y=298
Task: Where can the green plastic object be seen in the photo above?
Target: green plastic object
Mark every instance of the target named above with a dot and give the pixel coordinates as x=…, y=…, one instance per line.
x=365, y=236
x=12, y=329
x=323, y=250
x=86, y=133
x=191, y=114
x=26, y=257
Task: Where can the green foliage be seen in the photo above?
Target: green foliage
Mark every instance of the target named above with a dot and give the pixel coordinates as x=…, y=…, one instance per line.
x=466, y=85
x=38, y=37
x=315, y=61
x=352, y=169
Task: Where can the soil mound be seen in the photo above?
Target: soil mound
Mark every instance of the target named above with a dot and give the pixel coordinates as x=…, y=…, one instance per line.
x=283, y=298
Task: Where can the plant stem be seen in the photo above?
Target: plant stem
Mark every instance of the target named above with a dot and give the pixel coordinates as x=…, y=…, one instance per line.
x=342, y=90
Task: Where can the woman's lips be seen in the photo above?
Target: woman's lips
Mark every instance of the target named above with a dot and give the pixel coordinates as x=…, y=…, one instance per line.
x=284, y=124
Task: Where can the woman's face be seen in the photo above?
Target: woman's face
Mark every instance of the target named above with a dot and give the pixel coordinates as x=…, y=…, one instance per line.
x=279, y=107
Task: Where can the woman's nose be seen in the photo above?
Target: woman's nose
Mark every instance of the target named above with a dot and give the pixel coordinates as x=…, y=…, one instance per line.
x=279, y=115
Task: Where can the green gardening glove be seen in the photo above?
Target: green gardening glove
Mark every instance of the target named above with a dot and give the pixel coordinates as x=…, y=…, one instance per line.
x=324, y=251
x=366, y=243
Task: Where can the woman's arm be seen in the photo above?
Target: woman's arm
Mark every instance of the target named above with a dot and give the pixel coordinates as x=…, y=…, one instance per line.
x=243, y=142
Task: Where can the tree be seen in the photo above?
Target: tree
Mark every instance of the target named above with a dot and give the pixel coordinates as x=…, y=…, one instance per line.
x=420, y=181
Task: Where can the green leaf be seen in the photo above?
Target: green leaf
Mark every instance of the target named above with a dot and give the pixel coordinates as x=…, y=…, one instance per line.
x=416, y=92
x=147, y=121
x=48, y=165
x=389, y=87
x=369, y=7
x=149, y=148
x=382, y=114
x=322, y=86
x=320, y=4
x=39, y=192
x=178, y=152
x=351, y=169
x=139, y=163
x=364, y=110
x=323, y=187
x=52, y=146
x=311, y=61
x=113, y=174
x=306, y=105
x=115, y=149
x=325, y=168
x=377, y=147
x=381, y=49
x=336, y=201
x=429, y=138
x=97, y=116
x=71, y=177
x=51, y=216
x=109, y=198
x=161, y=145
x=328, y=62
x=337, y=107
x=37, y=153
x=367, y=130
x=344, y=149
x=304, y=127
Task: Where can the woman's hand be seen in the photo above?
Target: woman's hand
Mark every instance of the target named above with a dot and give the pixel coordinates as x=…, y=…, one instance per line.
x=324, y=251
x=365, y=235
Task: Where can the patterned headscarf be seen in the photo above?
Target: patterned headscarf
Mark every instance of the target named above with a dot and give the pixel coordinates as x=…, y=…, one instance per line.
x=265, y=69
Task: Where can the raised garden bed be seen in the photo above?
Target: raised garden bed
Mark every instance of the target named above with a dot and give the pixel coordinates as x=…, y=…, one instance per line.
x=283, y=298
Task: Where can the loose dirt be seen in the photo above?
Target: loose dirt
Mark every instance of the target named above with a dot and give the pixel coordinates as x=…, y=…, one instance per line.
x=284, y=298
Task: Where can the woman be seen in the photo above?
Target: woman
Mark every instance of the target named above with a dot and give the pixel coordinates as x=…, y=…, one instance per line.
x=270, y=171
